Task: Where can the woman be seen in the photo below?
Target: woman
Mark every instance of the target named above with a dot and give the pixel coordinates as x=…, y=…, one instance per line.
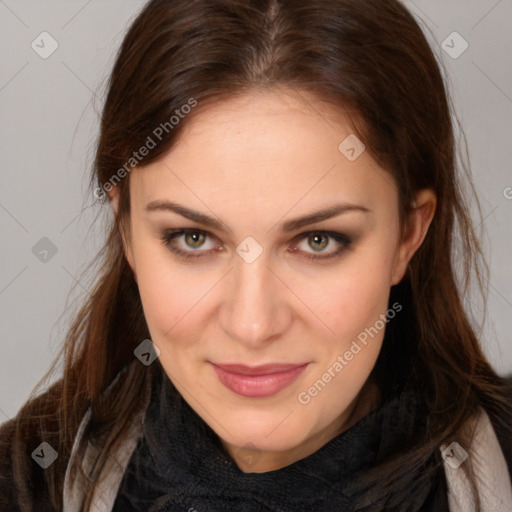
x=278, y=321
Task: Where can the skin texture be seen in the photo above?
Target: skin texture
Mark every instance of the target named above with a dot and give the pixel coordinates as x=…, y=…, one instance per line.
x=254, y=162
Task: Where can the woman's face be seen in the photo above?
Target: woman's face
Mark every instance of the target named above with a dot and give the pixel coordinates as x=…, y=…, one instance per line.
x=265, y=282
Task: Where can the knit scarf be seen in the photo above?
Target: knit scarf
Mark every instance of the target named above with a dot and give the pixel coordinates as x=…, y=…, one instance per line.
x=180, y=465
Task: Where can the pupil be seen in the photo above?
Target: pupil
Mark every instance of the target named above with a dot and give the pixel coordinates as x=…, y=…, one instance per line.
x=194, y=237
x=316, y=238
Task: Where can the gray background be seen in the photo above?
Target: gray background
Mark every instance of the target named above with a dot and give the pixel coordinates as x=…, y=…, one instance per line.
x=49, y=119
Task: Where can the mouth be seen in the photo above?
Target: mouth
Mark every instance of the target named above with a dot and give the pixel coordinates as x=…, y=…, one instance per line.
x=258, y=381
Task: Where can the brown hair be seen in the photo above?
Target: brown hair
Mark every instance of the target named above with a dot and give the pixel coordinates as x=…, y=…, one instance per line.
x=370, y=58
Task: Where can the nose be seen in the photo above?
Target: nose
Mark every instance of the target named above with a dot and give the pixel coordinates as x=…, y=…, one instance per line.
x=254, y=309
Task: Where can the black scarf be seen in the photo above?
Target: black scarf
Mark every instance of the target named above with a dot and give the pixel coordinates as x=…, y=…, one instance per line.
x=179, y=465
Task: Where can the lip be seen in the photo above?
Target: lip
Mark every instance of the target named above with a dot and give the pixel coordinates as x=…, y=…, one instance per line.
x=258, y=381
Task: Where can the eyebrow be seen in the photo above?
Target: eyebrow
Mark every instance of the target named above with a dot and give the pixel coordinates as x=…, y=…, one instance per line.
x=290, y=225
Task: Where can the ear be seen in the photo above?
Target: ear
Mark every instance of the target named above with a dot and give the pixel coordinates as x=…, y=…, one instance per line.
x=125, y=234
x=417, y=224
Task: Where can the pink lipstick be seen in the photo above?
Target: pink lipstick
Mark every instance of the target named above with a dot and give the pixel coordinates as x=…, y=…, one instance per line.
x=258, y=381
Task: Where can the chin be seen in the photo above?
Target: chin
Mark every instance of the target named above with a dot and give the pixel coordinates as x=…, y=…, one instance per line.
x=274, y=434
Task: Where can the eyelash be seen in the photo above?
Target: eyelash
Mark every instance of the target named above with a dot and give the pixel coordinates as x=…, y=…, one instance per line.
x=169, y=236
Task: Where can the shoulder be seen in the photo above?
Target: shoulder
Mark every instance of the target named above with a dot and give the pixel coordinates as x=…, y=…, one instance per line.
x=24, y=479
x=104, y=493
x=488, y=457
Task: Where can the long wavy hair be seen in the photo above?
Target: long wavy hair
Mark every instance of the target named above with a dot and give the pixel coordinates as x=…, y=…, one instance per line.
x=369, y=58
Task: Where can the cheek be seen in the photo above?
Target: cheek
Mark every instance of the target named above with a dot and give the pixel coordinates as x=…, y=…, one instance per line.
x=352, y=307
x=362, y=300
x=168, y=292
x=350, y=297
x=169, y=303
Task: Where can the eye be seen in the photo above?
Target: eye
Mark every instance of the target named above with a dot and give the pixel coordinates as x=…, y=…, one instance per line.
x=193, y=240
x=193, y=243
x=320, y=240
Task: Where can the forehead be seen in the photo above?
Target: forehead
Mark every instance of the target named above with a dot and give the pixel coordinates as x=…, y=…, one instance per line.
x=265, y=150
